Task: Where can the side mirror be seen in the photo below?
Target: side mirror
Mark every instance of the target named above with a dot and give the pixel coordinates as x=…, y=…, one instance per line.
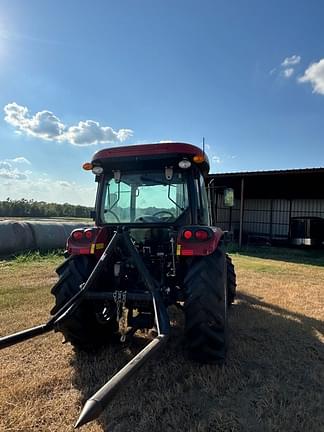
x=229, y=197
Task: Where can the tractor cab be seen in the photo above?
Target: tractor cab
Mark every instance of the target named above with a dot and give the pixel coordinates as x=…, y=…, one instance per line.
x=154, y=184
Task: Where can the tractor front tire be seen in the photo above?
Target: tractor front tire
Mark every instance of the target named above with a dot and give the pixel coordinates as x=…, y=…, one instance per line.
x=206, y=308
x=80, y=327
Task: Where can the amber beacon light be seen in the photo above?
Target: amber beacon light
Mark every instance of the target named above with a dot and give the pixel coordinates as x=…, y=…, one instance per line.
x=87, y=166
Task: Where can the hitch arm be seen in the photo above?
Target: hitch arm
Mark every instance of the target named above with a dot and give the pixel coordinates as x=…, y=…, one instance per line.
x=24, y=335
x=70, y=305
x=97, y=403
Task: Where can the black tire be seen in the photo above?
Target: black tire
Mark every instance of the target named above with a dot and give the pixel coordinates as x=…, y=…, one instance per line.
x=81, y=328
x=206, y=308
x=231, y=281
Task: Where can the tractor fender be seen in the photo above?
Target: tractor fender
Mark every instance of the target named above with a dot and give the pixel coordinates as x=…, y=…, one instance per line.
x=88, y=241
x=198, y=244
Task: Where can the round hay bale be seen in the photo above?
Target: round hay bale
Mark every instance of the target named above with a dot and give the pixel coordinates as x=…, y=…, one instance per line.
x=30, y=235
x=48, y=235
x=15, y=237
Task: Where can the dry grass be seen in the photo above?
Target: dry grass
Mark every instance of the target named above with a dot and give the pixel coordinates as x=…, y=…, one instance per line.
x=273, y=380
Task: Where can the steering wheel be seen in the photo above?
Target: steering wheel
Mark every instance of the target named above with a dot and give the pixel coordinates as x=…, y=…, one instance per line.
x=167, y=212
x=114, y=214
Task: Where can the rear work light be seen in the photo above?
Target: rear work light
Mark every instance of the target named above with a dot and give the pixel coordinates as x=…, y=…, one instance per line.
x=184, y=164
x=97, y=170
x=77, y=235
x=201, y=235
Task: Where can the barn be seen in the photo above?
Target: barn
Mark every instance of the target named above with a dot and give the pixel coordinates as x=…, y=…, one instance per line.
x=280, y=206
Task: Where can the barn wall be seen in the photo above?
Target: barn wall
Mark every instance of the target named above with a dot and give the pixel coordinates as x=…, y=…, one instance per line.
x=267, y=218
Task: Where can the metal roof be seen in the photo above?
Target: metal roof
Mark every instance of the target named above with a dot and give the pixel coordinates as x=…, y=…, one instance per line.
x=318, y=170
x=292, y=183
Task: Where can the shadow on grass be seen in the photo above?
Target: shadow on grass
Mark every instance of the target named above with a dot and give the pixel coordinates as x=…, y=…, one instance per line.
x=271, y=382
x=294, y=255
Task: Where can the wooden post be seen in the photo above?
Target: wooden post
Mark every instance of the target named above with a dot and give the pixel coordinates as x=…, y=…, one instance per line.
x=289, y=219
x=215, y=207
x=241, y=212
x=230, y=219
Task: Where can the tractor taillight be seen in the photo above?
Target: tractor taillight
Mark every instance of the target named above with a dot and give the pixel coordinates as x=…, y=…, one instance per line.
x=201, y=235
x=187, y=234
x=77, y=235
x=88, y=234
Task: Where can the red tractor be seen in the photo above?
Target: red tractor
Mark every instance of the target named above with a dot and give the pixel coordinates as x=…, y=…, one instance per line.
x=152, y=247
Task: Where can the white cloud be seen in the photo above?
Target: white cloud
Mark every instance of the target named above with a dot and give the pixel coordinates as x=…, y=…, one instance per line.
x=216, y=159
x=289, y=61
x=8, y=172
x=288, y=72
x=314, y=74
x=20, y=160
x=90, y=132
x=286, y=68
x=12, y=174
x=47, y=126
x=64, y=183
x=5, y=165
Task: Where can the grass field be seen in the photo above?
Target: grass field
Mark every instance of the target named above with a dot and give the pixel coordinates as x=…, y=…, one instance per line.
x=273, y=379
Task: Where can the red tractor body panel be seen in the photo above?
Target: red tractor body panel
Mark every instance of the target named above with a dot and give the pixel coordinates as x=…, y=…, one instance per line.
x=148, y=150
x=79, y=244
x=193, y=246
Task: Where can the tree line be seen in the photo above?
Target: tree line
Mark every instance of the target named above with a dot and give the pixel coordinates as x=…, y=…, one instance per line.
x=31, y=208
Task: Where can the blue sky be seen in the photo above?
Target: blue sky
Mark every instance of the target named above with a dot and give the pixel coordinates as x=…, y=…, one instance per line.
x=78, y=76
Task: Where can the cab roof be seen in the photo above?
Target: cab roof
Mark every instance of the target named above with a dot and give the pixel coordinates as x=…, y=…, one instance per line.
x=162, y=152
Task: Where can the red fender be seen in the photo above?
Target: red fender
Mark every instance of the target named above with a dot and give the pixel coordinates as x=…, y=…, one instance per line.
x=192, y=242
x=88, y=241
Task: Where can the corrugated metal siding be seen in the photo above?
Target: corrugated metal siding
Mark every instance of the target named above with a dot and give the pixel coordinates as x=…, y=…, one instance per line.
x=256, y=216
x=223, y=215
x=313, y=207
x=265, y=217
x=280, y=218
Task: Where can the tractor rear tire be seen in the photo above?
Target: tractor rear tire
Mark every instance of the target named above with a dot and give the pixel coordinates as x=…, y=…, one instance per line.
x=231, y=281
x=81, y=327
x=206, y=308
